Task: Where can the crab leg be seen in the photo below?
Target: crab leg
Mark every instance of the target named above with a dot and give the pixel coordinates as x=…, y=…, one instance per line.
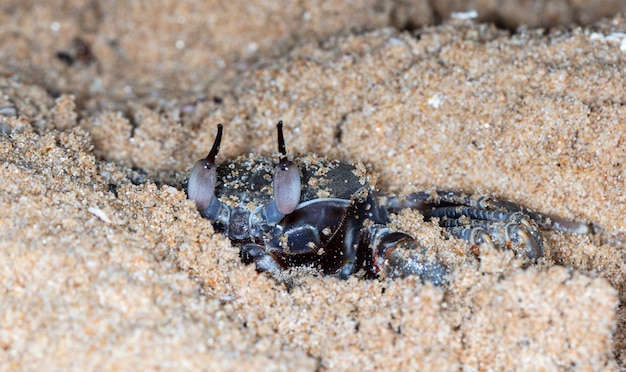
x=370, y=245
x=487, y=220
x=263, y=261
x=406, y=257
x=427, y=200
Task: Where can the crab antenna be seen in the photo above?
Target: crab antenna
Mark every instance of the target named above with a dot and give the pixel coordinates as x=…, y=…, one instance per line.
x=216, y=145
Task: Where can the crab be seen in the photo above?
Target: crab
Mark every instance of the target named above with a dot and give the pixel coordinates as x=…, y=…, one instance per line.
x=311, y=211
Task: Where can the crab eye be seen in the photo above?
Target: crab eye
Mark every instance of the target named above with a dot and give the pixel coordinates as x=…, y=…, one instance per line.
x=286, y=187
x=201, y=186
x=286, y=179
x=202, y=182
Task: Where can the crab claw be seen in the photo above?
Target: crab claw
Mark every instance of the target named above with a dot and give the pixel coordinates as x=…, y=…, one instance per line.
x=202, y=181
x=286, y=179
x=399, y=256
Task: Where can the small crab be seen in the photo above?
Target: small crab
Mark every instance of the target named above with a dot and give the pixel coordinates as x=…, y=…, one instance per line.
x=322, y=213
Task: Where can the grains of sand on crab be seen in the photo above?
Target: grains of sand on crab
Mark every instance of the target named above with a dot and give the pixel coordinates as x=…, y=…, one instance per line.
x=313, y=182
x=368, y=223
x=361, y=172
x=322, y=193
x=283, y=241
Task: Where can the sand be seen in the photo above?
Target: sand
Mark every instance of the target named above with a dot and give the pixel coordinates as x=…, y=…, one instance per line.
x=104, y=263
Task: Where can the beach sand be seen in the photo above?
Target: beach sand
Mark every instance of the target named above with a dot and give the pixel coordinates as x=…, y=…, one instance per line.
x=104, y=263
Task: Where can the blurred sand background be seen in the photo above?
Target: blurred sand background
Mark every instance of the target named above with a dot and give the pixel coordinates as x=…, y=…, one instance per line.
x=104, y=107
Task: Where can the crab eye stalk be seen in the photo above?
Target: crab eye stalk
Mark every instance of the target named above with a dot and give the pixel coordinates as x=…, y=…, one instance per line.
x=201, y=186
x=286, y=187
x=286, y=179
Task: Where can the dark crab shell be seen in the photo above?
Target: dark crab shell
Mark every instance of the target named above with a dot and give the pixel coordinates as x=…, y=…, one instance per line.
x=245, y=189
x=246, y=182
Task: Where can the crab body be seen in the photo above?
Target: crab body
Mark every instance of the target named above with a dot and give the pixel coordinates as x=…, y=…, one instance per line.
x=315, y=212
x=336, y=209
